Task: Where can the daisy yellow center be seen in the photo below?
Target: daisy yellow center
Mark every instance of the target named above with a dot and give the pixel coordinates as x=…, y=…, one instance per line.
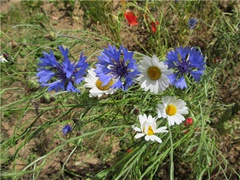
x=150, y=130
x=154, y=73
x=171, y=110
x=104, y=88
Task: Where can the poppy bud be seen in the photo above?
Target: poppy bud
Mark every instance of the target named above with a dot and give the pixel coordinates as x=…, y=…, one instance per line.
x=188, y=122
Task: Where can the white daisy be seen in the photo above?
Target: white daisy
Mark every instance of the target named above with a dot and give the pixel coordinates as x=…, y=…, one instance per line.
x=2, y=59
x=148, y=128
x=93, y=82
x=153, y=75
x=172, y=109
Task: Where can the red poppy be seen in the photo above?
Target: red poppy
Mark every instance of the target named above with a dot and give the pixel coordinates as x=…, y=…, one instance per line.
x=154, y=26
x=188, y=122
x=131, y=18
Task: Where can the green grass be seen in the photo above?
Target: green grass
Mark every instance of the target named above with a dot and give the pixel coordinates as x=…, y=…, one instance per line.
x=32, y=118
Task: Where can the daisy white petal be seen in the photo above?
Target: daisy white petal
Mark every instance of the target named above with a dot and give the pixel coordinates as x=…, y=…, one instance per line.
x=162, y=129
x=147, y=138
x=153, y=138
x=172, y=109
x=148, y=128
x=139, y=135
x=153, y=75
x=136, y=128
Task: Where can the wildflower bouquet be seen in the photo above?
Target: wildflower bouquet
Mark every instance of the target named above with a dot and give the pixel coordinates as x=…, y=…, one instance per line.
x=117, y=71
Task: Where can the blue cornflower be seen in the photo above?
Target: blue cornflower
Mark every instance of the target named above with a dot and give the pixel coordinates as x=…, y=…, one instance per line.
x=64, y=76
x=192, y=23
x=118, y=65
x=66, y=129
x=185, y=61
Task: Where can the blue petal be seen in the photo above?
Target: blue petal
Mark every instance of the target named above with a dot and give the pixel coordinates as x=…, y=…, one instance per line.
x=64, y=51
x=57, y=85
x=102, y=69
x=172, y=58
x=104, y=59
x=79, y=76
x=78, y=80
x=108, y=56
x=82, y=61
x=68, y=68
x=129, y=82
x=113, y=52
x=98, y=70
x=48, y=60
x=183, y=51
x=127, y=55
x=196, y=59
x=118, y=84
x=172, y=77
x=72, y=88
x=196, y=75
x=45, y=75
x=180, y=83
x=105, y=79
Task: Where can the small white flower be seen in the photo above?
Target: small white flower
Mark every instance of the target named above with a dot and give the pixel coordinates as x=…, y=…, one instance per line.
x=153, y=75
x=172, y=109
x=2, y=59
x=148, y=128
x=93, y=82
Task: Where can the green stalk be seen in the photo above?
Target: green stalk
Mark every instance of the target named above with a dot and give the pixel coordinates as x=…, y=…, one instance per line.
x=171, y=155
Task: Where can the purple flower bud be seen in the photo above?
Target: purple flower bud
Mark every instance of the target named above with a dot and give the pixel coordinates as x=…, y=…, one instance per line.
x=66, y=129
x=192, y=23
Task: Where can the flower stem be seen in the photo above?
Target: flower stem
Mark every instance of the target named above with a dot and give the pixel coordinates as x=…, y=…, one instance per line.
x=171, y=155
